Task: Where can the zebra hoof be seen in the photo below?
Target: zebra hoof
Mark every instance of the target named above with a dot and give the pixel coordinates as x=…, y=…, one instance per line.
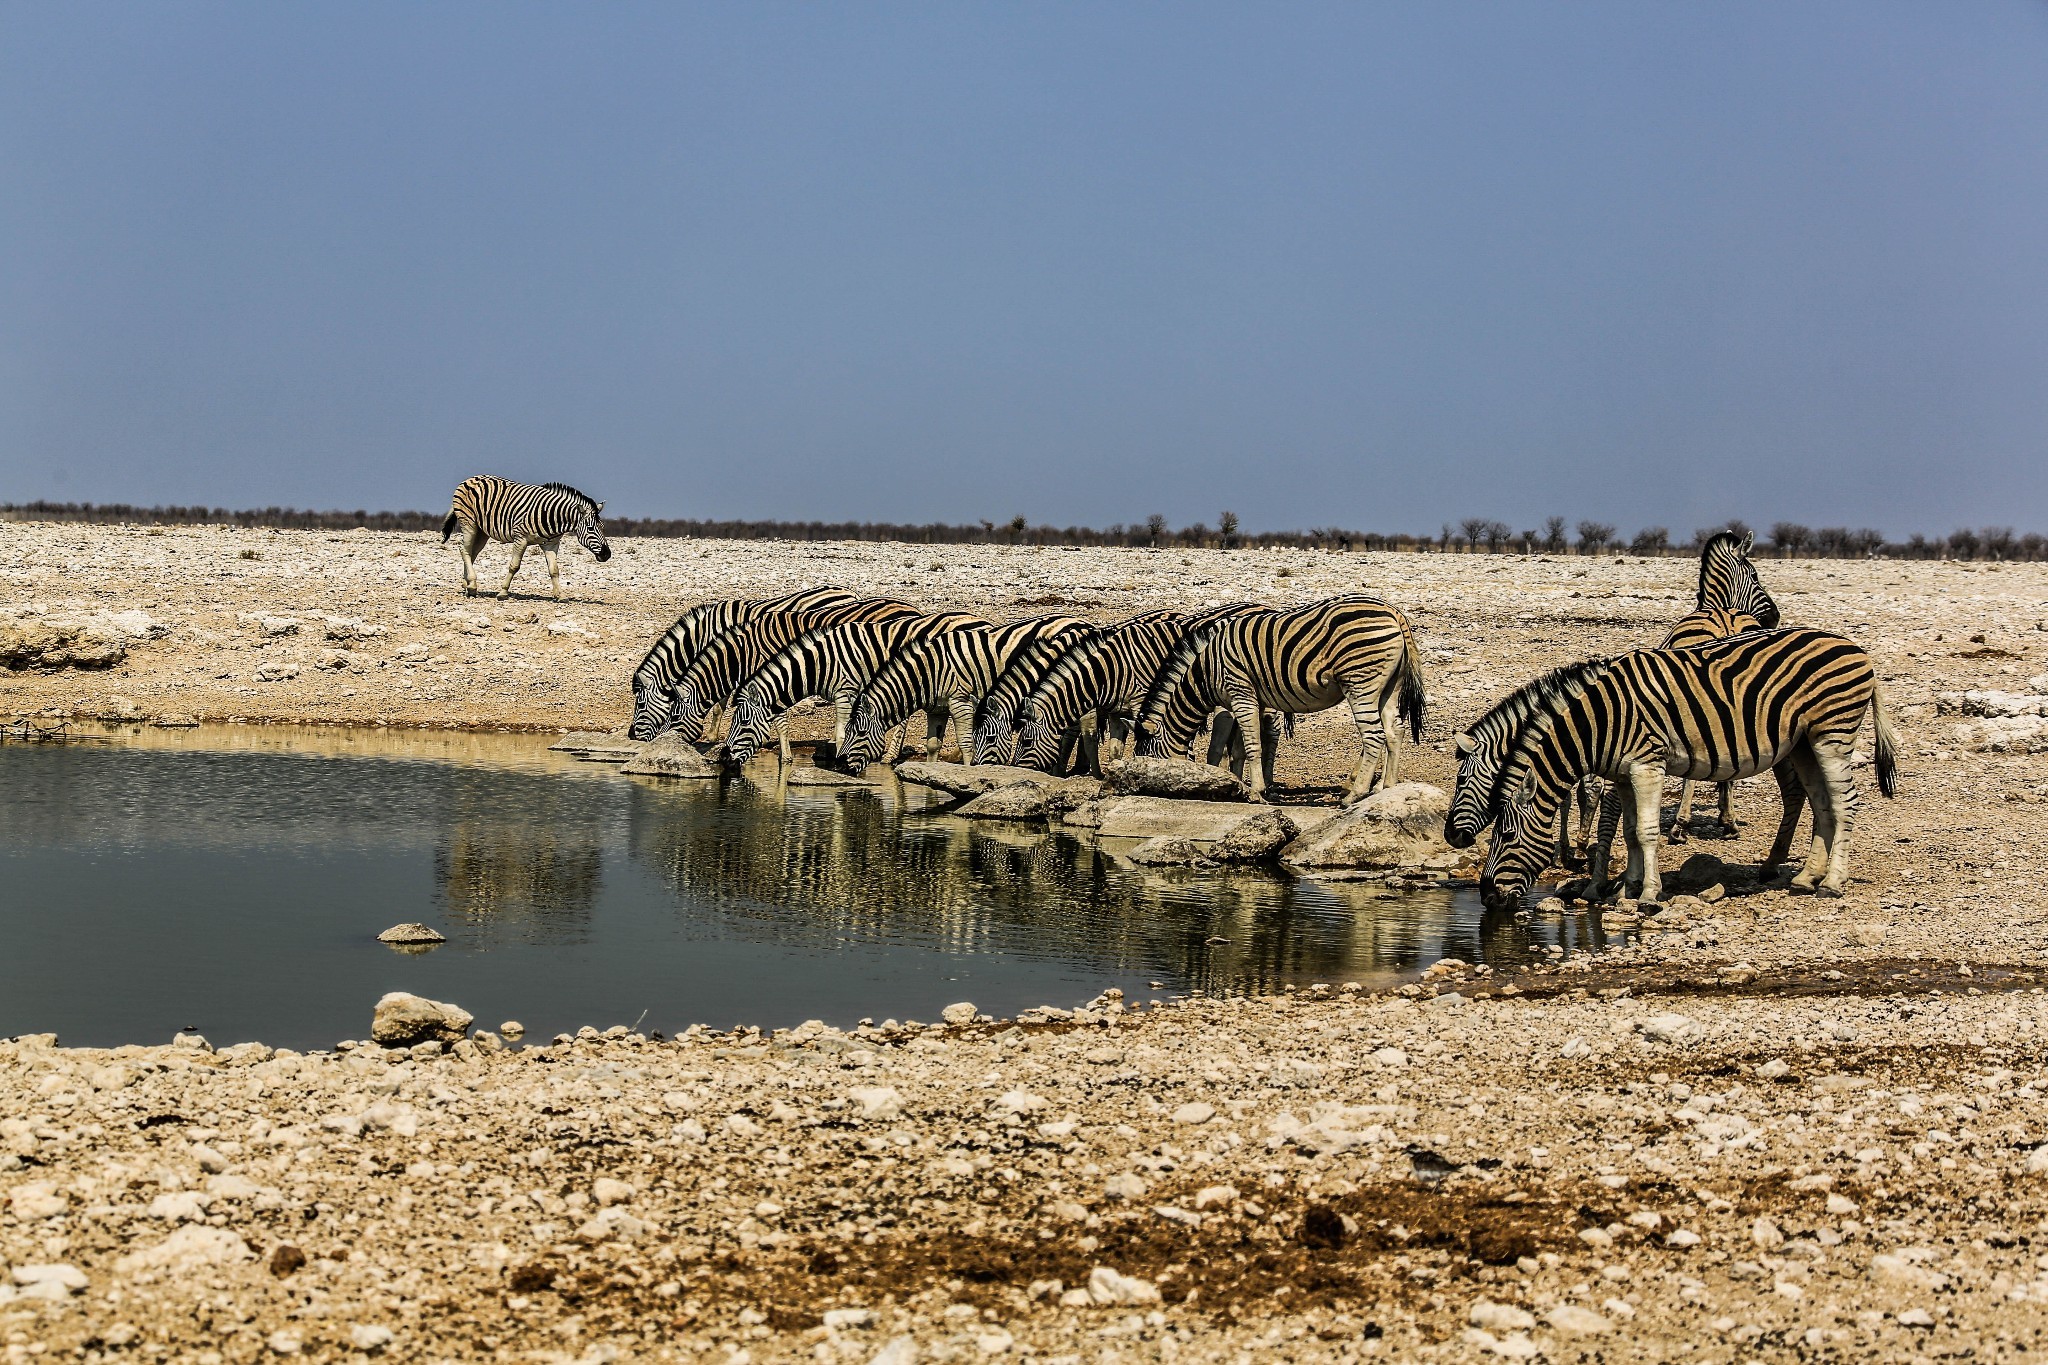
x=1678, y=835
x=1826, y=892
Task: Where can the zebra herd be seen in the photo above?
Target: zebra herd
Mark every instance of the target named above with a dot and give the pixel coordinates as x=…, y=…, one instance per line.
x=1048, y=692
x=1727, y=693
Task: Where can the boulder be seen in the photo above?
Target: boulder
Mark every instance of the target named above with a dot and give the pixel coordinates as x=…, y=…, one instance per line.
x=964, y=779
x=1260, y=837
x=1208, y=822
x=411, y=933
x=1174, y=777
x=825, y=777
x=177, y=720
x=403, y=1019
x=1171, y=851
x=1019, y=801
x=1399, y=827
x=95, y=640
x=669, y=756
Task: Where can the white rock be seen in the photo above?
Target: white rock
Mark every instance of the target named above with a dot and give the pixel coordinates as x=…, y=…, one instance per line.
x=613, y=1223
x=1216, y=1196
x=36, y=1201
x=1915, y=1317
x=898, y=1351
x=1774, y=1068
x=411, y=933
x=608, y=1192
x=1575, y=1321
x=180, y=1206
x=1195, y=1113
x=369, y=1337
x=1683, y=1238
x=1766, y=1234
x=962, y=1012
x=1671, y=1028
x=1500, y=1317
x=1401, y=826
x=1019, y=1102
x=1390, y=1056
x=1108, y=1288
x=839, y=1319
x=403, y=1018
x=285, y=1343
x=2037, y=1160
x=1124, y=1186
x=877, y=1101
x=68, y=1278
x=191, y=1248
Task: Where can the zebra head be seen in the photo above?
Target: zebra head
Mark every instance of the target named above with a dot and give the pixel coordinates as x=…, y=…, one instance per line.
x=1728, y=578
x=1521, y=849
x=750, y=726
x=1037, y=746
x=650, y=716
x=686, y=711
x=995, y=735
x=1479, y=764
x=590, y=532
x=863, y=737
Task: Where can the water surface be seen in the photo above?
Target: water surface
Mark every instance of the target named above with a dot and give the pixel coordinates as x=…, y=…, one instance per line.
x=233, y=880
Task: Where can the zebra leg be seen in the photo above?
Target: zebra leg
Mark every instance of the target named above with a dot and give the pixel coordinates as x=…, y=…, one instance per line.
x=1646, y=783
x=1592, y=798
x=1792, y=798
x=962, y=712
x=1373, y=748
x=1269, y=743
x=1223, y=744
x=1681, y=823
x=782, y=735
x=471, y=545
x=1727, y=795
x=552, y=548
x=518, y=556
x=1840, y=781
x=1815, y=781
x=1600, y=852
x=1244, y=708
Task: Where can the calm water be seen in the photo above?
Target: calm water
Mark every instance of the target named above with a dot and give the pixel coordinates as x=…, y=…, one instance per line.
x=234, y=879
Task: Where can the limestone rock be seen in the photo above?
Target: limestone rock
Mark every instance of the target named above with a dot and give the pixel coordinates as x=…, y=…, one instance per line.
x=1107, y=1287
x=1259, y=838
x=1174, y=777
x=176, y=720
x=961, y=1012
x=411, y=933
x=191, y=1249
x=1019, y=801
x=669, y=756
x=1398, y=827
x=403, y=1019
x=1170, y=851
x=964, y=779
x=1206, y=822
x=826, y=777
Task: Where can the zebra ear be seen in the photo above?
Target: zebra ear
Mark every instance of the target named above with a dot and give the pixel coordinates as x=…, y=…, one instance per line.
x=1748, y=538
x=1463, y=744
x=600, y=507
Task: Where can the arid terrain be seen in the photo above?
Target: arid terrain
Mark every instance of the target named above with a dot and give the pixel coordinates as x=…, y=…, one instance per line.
x=1771, y=1127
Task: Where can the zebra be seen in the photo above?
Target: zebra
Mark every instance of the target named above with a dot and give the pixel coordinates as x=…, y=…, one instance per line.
x=666, y=659
x=995, y=720
x=1702, y=626
x=1110, y=675
x=832, y=662
x=1355, y=648
x=727, y=661
x=523, y=514
x=1728, y=579
x=1717, y=711
x=945, y=675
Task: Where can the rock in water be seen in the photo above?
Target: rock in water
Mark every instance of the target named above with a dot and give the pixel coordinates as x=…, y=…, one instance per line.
x=1170, y=851
x=1019, y=801
x=410, y=933
x=825, y=777
x=403, y=1019
x=1207, y=822
x=964, y=779
x=1401, y=827
x=668, y=756
x=1174, y=777
x=1257, y=839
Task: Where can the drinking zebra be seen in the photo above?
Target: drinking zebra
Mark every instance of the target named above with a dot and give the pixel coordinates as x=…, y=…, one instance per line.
x=995, y=720
x=946, y=675
x=522, y=514
x=1110, y=676
x=1355, y=649
x=830, y=662
x=654, y=679
x=1717, y=711
x=727, y=661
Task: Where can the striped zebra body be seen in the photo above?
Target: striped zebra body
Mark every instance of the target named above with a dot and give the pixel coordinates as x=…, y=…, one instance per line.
x=728, y=660
x=1109, y=676
x=945, y=675
x=670, y=656
x=1715, y=712
x=522, y=515
x=1355, y=649
x=1702, y=626
x=995, y=720
x=829, y=663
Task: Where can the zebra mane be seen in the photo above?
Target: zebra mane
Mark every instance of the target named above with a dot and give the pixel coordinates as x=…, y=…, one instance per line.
x=587, y=500
x=1547, y=693
x=1172, y=674
x=1724, y=548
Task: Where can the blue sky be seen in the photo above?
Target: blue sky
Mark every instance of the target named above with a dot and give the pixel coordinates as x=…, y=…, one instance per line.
x=1375, y=265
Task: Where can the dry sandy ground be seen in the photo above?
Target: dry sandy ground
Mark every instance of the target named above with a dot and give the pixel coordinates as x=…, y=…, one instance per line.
x=1791, y=1128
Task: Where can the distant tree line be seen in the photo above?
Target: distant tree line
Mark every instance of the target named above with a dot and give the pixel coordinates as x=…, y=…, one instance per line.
x=1473, y=535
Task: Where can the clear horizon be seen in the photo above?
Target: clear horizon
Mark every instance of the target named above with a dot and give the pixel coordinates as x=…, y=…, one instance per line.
x=1379, y=266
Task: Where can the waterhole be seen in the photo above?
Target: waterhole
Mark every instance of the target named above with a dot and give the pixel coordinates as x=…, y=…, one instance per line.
x=233, y=880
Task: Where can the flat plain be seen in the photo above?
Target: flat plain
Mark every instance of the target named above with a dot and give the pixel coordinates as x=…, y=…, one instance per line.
x=1778, y=1127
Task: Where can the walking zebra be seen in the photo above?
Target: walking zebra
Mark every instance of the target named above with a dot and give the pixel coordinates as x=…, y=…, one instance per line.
x=522, y=514
x=1355, y=649
x=655, y=677
x=830, y=662
x=1110, y=676
x=945, y=675
x=1718, y=711
x=727, y=661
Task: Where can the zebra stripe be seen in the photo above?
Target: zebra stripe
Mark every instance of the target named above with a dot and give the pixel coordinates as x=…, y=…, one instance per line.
x=522, y=514
x=831, y=663
x=677, y=648
x=1110, y=675
x=1720, y=711
x=1728, y=580
x=947, y=674
x=995, y=720
x=727, y=661
x=1704, y=626
x=1355, y=649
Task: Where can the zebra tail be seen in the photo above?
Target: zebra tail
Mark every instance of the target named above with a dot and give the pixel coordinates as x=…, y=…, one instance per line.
x=448, y=526
x=1887, y=744
x=1414, y=699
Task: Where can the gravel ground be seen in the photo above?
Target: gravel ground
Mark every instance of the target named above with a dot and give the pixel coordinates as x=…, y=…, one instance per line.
x=1775, y=1127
